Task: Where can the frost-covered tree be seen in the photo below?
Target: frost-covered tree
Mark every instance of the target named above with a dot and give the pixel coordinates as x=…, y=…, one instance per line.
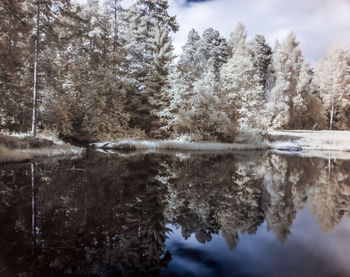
x=90, y=102
x=35, y=29
x=105, y=95
x=332, y=75
x=262, y=55
x=158, y=81
x=189, y=59
x=244, y=92
x=206, y=119
x=284, y=100
x=212, y=51
x=142, y=19
x=312, y=115
x=237, y=39
x=197, y=67
x=114, y=9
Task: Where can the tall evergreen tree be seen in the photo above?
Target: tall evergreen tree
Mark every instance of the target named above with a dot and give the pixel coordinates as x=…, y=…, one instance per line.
x=262, y=55
x=15, y=28
x=143, y=19
x=158, y=81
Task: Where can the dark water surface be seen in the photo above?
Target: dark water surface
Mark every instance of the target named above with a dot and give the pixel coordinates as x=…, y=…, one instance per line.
x=175, y=214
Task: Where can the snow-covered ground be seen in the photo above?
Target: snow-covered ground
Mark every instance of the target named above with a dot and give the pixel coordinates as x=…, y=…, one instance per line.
x=317, y=140
x=129, y=144
x=324, y=144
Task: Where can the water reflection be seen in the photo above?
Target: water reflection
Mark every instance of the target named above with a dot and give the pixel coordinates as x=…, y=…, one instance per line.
x=117, y=215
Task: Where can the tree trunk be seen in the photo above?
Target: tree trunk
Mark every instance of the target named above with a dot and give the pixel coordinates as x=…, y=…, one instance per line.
x=331, y=120
x=35, y=85
x=115, y=26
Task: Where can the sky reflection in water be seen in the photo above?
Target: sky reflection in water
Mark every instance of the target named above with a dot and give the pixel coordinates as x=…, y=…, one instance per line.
x=307, y=252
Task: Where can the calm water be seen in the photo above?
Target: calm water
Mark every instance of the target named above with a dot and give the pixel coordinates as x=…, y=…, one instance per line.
x=175, y=214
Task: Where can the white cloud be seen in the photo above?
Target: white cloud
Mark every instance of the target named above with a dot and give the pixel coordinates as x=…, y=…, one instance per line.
x=317, y=23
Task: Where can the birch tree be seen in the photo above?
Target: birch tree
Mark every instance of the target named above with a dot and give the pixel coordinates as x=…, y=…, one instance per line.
x=35, y=72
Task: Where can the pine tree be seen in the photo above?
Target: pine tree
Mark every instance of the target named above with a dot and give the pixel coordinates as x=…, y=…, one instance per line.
x=212, y=51
x=114, y=9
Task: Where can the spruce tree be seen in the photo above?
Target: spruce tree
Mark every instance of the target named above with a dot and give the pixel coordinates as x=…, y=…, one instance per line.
x=143, y=19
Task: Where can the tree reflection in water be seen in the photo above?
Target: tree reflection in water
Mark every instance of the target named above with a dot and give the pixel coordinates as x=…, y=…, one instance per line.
x=107, y=215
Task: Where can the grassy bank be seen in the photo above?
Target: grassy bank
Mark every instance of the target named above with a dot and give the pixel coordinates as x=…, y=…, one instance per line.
x=22, y=148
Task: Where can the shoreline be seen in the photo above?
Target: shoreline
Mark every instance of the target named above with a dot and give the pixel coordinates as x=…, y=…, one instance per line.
x=320, y=144
x=19, y=148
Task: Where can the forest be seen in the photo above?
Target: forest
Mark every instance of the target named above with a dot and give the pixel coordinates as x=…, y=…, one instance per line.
x=98, y=71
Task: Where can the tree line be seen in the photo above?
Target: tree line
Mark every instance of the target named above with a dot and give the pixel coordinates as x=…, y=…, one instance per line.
x=100, y=70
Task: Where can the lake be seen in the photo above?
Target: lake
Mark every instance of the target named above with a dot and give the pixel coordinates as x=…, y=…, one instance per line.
x=175, y=214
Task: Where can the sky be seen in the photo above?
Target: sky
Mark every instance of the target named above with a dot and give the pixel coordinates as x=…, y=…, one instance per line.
x=316, y=23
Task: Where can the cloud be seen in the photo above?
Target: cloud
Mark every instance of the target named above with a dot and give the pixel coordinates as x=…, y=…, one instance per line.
x=317, y=23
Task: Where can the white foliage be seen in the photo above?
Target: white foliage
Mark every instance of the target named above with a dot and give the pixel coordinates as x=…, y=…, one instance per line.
x=332, y=74
x=284, y=98
x=196, y=106
x=243, y=90
x=237, y=39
